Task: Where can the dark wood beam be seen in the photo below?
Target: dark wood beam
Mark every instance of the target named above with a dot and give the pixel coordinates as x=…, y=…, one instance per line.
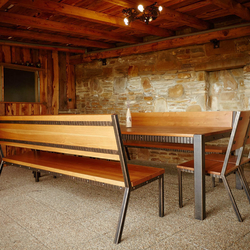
x=64, y=27
x=54, y=38
x=168, y=14
x=233, y=7
x=90, y=15
x=172, y=15
x=203, y=37
x=3, y=2
x=46, y=47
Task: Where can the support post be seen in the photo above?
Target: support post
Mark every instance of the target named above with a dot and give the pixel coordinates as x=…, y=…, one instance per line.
x=199, y=177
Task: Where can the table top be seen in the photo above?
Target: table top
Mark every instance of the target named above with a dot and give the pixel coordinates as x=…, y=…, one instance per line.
x=174, y=131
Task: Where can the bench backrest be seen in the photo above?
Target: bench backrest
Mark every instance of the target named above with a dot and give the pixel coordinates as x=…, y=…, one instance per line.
x=85, y=135
x=204, y=119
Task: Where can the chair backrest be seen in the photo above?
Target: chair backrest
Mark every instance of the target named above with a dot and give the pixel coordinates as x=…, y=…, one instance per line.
x=197, y=119
x=239, y=137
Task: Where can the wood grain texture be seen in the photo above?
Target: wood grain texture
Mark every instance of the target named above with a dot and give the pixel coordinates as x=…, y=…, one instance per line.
x=180, y=131
x=86, y=140
x=183, y=119
x=108, y=172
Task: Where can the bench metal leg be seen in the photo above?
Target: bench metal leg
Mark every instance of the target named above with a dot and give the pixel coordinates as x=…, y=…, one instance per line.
x=37, y=176
x=1, y=167
x=122, y=216
x=213, y=181
x=127, y=152
x=180, y=188
x=236, y=210
x=161, y=196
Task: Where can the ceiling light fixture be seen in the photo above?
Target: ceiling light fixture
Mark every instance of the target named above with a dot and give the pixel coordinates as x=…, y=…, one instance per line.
x=145, y=15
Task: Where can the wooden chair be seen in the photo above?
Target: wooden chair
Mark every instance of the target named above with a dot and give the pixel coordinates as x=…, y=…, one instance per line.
x=216, y=167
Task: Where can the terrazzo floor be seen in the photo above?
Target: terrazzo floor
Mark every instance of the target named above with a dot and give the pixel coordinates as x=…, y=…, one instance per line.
x=65, y=214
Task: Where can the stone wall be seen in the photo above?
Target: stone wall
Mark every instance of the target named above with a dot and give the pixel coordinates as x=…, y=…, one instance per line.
x=195, y=78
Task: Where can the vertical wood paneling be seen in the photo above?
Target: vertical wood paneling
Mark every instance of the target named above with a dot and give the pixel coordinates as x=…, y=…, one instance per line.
x=18, y=55
x=13, y=54
x=55, y=81
x=62, y=81
x=2, y=86
x=43, y=58
x=71, y=91
x=1, y=54
x=49, y=82
x=26, y=55
x=6, y=52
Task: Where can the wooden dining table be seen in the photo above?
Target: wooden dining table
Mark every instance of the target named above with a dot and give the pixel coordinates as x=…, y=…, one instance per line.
x=196, y=135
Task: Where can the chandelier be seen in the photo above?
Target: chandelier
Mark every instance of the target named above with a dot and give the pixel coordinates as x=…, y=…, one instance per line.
x=145, y=15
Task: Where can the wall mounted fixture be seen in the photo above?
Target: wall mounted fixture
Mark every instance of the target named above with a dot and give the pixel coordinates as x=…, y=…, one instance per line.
x=145, y=15
x=104, y=61
x=216, y=43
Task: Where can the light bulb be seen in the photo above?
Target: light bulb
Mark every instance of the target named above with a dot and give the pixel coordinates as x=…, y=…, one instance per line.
x=150, y=19
x=160, y=8
x=140, y=8
x=126, y=21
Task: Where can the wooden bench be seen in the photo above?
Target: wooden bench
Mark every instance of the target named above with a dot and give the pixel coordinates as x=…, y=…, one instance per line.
x=88, y=147
x=180, y=119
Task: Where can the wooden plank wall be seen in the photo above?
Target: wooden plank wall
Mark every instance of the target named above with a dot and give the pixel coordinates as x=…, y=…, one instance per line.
x=51, y=81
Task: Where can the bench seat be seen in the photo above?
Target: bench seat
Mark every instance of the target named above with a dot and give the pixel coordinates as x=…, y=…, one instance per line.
x=172, y=146
x=103, y=171
x=86, y=147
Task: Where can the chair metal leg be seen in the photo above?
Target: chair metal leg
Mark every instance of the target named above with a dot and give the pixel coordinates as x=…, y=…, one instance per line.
x=1, y=167
x=37, y=176
x=213, y=181
x=127, y=152
x=161, y=196
x=232, y=198
x=244, y=183
x=180, y=188
x=122, y=216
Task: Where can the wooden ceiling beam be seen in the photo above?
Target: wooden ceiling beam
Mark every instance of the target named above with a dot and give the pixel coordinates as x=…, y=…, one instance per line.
x=188, y=40
x=172, y=15
x=233, y=7
x=3, y=2
x=54, y=38
x=46, y=47
x=39, y=23
x=90, y=15
x=168, y=14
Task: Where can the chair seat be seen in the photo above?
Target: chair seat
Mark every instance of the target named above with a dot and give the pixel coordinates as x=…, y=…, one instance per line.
x=211, y=167
x=232, y=158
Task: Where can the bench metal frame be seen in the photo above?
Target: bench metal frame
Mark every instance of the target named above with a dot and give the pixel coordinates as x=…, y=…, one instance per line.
x=127, y=189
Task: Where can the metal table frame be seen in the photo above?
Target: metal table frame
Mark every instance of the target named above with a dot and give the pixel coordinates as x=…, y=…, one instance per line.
x=198, y=140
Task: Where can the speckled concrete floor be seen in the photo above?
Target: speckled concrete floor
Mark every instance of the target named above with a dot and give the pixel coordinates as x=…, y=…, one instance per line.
x=64, y=214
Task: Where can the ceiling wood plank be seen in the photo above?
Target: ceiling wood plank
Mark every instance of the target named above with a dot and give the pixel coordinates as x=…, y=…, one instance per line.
x=90, y=15
x=188, y=40
x=185, y=19
x=39, y=23
x=233, y=7
x=168, y=14
x=53, y=38
x=46, y=47
x=3, y=2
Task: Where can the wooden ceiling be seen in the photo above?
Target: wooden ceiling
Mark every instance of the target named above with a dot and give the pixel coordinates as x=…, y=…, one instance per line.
x=94, y=29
